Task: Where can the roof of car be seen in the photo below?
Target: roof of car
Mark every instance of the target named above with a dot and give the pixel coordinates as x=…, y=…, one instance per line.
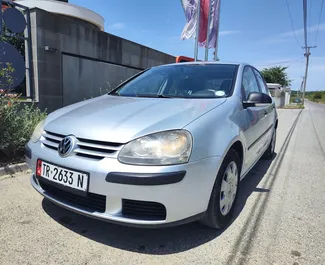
x=204, y=63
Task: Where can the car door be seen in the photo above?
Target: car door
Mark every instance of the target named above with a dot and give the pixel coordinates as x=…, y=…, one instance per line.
x=255, y=119
x=269, y=111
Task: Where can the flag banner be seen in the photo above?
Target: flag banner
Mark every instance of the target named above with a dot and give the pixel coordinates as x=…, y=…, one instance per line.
x=190, y=10
x=213, y=27
x=204, y=13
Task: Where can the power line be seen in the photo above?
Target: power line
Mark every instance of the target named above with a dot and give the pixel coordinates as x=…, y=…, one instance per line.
x=293, y=28
x=319, y=20
x=289, y=61
x=306, y=47
x=310, y=6
x=305, y=21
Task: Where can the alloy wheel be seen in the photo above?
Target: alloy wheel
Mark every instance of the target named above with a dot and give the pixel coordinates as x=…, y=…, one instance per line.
x=228, y=188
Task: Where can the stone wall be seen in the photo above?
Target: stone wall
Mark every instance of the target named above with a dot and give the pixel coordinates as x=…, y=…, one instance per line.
x=88, y=74
x=74, y=60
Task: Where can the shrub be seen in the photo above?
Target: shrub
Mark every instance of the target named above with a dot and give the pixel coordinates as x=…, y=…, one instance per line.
x=6, y=77
x=17, y=122
x=317, y=95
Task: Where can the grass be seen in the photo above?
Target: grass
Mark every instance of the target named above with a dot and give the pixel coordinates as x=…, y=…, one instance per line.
x=293, y=106
x=321, y=101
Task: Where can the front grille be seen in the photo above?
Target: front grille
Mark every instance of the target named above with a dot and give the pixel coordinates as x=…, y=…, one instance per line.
x=87, y=148
x=143, y=210
x=90, y=202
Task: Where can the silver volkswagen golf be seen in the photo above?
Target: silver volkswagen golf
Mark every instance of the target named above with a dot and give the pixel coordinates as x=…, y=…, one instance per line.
x=168, y=146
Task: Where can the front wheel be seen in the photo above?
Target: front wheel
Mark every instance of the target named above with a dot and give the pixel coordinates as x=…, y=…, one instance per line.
x=224, y=193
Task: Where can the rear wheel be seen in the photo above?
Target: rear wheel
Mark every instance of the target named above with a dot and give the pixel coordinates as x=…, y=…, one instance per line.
x=224, y=193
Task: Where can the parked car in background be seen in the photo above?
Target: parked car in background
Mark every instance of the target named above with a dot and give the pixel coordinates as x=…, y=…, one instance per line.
x=297, y=100
x=168, y=146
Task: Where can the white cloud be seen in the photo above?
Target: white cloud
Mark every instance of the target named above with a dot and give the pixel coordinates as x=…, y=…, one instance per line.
x=117, y=26
x=289, y=35
x=300, y=32
x=276, y=62
x=228, y=32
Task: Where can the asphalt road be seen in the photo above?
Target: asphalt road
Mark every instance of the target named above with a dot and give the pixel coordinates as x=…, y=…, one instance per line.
x=280, y=218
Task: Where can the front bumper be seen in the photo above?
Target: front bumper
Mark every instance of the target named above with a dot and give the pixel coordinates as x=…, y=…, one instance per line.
x=184, y=193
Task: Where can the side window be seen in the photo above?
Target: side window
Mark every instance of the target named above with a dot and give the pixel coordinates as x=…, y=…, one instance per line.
x=261, y=83
x=249, y=82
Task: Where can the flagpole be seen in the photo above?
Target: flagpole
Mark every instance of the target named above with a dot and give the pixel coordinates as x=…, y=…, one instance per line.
x=217, y=39
x=197, y=30
x=206, y=58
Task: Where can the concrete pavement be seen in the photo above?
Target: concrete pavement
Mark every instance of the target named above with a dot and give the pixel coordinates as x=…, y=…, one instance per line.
x=280, y=218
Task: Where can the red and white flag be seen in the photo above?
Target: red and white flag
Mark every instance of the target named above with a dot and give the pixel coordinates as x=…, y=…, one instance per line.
x=191, y=14
x=213, y=25
x=204, y=13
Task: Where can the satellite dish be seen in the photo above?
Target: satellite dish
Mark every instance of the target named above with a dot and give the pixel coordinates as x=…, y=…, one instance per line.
x=14, y=20
x=9, y=54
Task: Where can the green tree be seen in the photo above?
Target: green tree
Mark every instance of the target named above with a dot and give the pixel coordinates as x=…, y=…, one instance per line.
x=276, y=74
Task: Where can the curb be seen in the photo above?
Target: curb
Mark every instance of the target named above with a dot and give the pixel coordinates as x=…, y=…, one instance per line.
x=13, y=169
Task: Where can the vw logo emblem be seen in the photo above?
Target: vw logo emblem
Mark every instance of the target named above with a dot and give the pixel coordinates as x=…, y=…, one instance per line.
x=66, y=146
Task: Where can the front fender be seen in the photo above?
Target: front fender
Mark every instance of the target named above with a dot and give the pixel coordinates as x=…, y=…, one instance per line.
x=216, y=131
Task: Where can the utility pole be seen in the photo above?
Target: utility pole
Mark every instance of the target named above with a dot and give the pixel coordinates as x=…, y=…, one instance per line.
x=307, y=54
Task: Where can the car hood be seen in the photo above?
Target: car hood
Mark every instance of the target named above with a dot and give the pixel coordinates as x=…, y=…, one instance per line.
x=121, y=119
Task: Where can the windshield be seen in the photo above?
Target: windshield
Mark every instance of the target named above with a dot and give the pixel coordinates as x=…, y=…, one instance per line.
x=182, y=81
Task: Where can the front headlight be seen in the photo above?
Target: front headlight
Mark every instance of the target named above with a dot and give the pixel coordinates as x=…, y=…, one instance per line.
x=38, y=131
x=163, y=148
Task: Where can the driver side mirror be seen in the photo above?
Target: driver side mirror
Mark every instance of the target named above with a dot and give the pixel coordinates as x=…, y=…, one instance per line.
x=257, y=99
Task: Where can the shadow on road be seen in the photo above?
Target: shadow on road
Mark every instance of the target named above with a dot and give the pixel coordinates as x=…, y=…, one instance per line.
x=153, y=241
x=250, y=182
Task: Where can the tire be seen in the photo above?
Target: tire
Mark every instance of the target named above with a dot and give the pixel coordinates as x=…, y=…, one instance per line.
x=218, y=217
x=269, y=153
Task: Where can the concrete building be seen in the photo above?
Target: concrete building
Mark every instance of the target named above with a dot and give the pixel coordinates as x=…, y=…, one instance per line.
x=280, y=94
x=75, y=59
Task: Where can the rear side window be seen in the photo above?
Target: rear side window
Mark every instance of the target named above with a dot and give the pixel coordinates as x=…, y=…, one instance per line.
x=261, y=82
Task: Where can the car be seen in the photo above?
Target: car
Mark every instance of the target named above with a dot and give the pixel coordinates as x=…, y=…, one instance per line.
x=168, y=146
x=297, y=100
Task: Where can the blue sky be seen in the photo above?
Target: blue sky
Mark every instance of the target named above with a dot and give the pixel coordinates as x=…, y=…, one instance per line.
x=253, y=31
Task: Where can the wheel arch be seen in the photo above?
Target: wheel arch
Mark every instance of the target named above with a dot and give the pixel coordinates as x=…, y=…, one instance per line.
x=238, y=147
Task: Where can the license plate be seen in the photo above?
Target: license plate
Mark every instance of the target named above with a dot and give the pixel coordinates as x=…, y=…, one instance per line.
x=70, y=178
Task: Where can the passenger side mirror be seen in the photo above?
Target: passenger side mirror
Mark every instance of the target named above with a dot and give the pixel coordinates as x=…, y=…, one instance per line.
x=257, y=99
